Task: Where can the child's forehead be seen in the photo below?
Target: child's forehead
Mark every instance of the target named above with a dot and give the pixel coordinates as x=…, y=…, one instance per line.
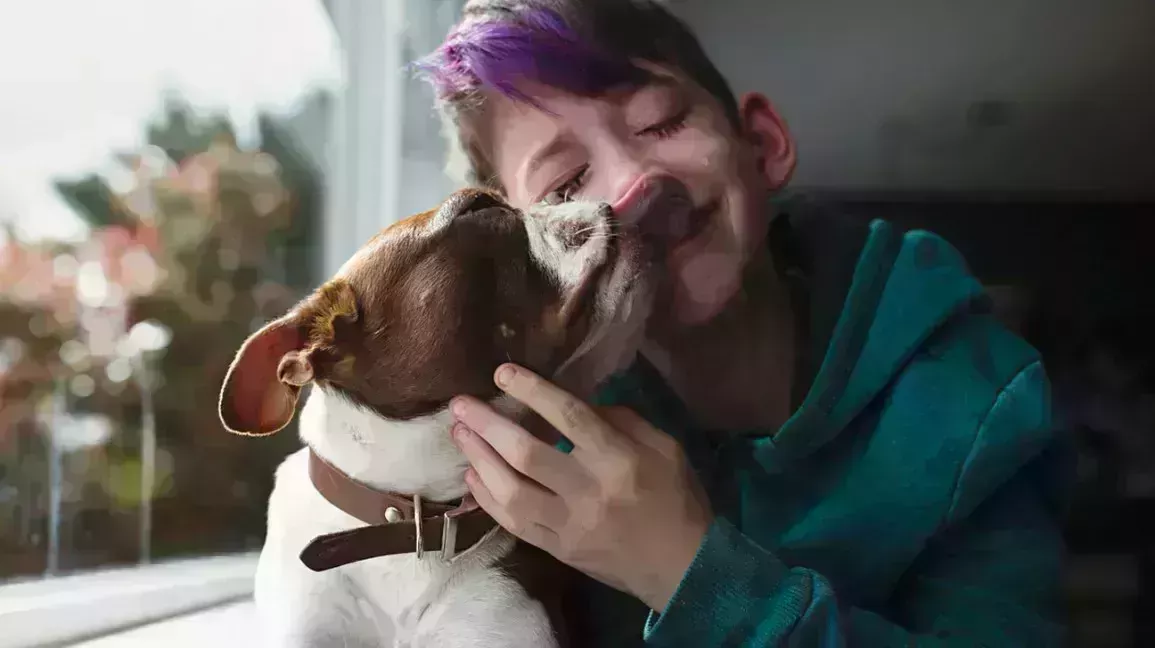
x=559, y=104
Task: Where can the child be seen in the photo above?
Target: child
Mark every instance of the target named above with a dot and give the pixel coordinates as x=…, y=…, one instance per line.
x=872, y=457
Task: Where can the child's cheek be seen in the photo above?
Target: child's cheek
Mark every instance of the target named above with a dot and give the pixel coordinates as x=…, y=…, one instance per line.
x=697, y=153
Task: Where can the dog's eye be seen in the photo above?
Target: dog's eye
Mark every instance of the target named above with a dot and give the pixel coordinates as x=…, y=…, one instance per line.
x=565, y=192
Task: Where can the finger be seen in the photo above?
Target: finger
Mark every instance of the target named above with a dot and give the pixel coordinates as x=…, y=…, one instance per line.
x=566, y=412
x=521, y=450
x=630, y=423
x=622, y=418
x=515, y=493
x=532, y=532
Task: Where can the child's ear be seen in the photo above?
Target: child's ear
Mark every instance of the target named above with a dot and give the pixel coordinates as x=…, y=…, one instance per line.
x=261, y=388
x=766, y=131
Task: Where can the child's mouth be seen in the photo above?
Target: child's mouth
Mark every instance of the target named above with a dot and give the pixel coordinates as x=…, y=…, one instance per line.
x=698, y=221
x=684, y=227
x=664, y=214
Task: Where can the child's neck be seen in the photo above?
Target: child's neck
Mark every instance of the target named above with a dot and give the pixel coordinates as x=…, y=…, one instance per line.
x=735, y=372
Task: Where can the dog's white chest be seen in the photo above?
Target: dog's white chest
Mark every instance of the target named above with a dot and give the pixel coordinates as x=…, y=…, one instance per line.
x=395, y=594
x=396, y=601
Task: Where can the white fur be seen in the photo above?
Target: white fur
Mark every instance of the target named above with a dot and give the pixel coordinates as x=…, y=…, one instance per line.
x=566, y=264
x=399, y=601
x=394, y=600
x=414, y=456
x=622, y=305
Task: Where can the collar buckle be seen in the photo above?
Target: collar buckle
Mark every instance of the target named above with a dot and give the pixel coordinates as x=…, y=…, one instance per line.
x=448, y=532
x=418, y=518
x=448, y=537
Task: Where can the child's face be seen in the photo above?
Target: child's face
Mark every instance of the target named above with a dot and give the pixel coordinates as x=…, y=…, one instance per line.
x=665, y=155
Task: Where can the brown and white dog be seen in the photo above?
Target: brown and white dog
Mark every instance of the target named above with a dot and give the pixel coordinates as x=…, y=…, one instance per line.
x=372, y=539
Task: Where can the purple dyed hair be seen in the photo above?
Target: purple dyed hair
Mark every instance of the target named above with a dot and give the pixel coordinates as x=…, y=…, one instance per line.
x=538, y=46
x=583, y=47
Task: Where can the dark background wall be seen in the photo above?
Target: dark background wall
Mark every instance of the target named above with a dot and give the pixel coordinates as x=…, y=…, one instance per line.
x=982, y=95
x=1023, y=131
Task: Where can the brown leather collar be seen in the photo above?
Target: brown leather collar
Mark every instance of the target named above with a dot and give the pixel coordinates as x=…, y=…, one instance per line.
x=397, y=524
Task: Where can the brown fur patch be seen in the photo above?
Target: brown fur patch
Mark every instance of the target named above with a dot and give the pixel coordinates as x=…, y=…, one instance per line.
x=332, y=301
x=426, y=311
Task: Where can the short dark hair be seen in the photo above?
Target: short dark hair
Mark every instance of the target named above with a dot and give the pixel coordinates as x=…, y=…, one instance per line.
x=585, y=47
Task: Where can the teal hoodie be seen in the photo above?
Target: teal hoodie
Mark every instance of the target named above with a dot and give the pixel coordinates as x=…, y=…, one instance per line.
x=912, y=498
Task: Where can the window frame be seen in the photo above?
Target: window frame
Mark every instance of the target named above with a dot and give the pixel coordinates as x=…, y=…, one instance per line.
x=365, y=160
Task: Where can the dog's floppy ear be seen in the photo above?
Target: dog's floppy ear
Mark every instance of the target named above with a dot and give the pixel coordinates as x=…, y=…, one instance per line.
x=261, y=388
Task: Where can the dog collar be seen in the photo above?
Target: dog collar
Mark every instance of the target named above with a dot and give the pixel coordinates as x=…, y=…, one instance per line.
x=398, y=524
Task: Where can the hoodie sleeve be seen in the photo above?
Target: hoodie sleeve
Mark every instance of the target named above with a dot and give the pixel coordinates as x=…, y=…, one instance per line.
x=990, y=577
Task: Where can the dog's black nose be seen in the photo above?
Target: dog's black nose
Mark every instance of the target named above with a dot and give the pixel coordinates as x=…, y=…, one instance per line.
x=469, y=201
x=466, y=201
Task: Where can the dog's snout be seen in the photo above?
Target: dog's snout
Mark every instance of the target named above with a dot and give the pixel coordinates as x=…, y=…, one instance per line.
x=574, y=234
x=575, y=228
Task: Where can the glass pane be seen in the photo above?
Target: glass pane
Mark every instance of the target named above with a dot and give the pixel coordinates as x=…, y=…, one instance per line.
x=160, y=193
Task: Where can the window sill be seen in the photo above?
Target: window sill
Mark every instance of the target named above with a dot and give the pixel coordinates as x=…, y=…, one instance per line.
x=70, y=609
x=226, y=626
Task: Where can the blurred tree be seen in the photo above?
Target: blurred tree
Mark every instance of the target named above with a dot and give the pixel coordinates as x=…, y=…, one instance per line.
x=182, y=132
x=91, y=198
x=211, y=242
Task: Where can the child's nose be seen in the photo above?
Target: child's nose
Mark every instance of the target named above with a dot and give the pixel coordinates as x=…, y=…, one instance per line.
x=660, y=196
x=628, y=208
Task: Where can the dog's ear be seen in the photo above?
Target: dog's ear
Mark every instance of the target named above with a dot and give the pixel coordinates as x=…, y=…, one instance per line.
x=261, y=388
x=259, y=395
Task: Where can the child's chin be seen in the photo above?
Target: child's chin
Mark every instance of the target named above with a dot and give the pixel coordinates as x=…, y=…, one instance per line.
x=704, y=288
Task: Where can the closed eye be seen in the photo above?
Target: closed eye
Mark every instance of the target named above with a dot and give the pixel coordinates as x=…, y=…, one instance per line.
x=565, y=191
x=667, y=127
x=662, y=130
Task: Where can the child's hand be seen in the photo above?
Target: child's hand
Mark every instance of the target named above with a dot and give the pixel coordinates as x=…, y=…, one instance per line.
x=624, y=506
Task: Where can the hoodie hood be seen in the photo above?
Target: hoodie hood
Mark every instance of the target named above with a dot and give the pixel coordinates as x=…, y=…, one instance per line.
x=903, y=288
x=867, y=297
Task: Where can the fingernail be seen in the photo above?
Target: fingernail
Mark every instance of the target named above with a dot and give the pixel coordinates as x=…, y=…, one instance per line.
x=459, y=432
x=458, y=407
x=504, y=375
x=470, y=476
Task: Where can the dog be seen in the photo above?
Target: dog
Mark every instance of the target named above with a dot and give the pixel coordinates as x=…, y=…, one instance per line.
x=372, y=538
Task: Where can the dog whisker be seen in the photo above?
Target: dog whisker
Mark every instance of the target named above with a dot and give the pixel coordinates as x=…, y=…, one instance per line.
x=604, y=237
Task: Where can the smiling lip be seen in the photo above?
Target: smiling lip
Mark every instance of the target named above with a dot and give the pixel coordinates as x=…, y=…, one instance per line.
x=697, y=222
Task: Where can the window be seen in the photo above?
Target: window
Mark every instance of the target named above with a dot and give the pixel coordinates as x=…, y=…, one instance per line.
x=173, y=176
